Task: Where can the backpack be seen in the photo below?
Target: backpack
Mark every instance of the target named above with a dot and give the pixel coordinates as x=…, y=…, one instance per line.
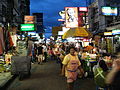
x=99, y=76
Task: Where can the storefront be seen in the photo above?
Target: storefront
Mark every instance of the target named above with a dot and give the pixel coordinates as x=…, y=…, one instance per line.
x=7, y=49
x=116, y=40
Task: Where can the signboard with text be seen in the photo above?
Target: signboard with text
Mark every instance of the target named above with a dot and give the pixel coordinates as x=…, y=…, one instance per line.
x=116, y=31
x=27, y=27
x=29, y=19
x=109, y=11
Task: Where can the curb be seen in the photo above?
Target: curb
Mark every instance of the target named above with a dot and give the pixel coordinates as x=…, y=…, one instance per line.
x=7, y=82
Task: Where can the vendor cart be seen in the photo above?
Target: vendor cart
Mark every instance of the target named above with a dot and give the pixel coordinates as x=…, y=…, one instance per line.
x=21, y=66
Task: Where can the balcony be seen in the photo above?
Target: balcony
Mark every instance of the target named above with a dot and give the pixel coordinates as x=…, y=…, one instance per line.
x=115, y=25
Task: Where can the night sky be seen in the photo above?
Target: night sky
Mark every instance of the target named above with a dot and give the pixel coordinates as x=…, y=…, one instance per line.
x=51, y=8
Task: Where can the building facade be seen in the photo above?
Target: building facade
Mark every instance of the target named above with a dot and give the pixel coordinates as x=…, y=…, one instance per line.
x=3, y=11
x=13, y=11
x=99, y=22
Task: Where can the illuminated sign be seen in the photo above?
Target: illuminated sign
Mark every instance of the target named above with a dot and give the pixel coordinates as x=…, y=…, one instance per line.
x=27, y=27
x=65, y=29
x=71, y=19
x=32, y=33
x=107, y=33
x=83, y=9
x=110, y=11
x=116, y=31
x=61, y=32
x=29, y=19
x=61, y=20
x=62, y=14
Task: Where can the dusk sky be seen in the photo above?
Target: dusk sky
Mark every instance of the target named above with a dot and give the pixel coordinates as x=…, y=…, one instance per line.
x=51, y=8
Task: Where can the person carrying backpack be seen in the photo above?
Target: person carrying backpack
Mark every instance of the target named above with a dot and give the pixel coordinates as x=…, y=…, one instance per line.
x=100, y=71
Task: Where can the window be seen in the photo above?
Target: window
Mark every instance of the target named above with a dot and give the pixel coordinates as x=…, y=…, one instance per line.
x=3, y=10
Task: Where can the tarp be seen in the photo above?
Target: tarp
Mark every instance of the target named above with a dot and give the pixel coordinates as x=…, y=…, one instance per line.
x=77, y=32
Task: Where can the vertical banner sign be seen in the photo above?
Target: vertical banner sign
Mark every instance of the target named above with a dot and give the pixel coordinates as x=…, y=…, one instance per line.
x=71, y=14
x=82, y=11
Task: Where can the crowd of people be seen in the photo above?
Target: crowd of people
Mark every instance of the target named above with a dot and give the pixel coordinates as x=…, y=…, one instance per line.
x=81, y=62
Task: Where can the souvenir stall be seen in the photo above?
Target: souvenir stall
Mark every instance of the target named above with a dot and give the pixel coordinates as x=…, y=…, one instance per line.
x=116, y=40
x=89, y=59
x=6, y=45
x=6, y=52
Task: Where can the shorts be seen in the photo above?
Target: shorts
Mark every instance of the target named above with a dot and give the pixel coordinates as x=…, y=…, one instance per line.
x=40, y=57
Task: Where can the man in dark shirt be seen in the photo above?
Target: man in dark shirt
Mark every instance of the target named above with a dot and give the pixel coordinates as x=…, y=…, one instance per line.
x=40, y=53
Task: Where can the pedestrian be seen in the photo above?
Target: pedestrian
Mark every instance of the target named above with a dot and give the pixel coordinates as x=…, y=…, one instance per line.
x=113, y=77
x=100, y=71
x=108, y=60
x=51, y=53
x=71, y=65
x=40, y=53
x=62, y=55
x=35, y=52
x=30, y=48
x=45, y=52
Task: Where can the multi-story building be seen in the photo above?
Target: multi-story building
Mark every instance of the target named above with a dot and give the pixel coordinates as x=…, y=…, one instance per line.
x=13, y=11
x=3, y=11
x=97, y=21
x=39, y=22
x=24, y=8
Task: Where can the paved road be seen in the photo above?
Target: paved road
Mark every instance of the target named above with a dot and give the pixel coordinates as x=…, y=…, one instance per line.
x=46, y=77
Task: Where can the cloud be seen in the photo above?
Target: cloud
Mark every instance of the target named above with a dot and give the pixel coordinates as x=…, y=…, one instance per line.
x=51, y=8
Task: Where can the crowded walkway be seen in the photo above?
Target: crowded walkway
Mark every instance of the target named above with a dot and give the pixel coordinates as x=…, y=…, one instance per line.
x=47, y=77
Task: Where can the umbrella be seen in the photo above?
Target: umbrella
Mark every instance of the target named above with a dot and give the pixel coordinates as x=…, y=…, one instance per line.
x=77, y=32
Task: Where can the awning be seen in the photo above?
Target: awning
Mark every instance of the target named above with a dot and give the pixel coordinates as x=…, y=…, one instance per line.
x=77, y=32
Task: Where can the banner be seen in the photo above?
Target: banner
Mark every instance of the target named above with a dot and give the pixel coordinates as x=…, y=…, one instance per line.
x=71, y=14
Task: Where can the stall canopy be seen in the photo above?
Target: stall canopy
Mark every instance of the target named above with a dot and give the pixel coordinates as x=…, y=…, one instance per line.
x=77, y=32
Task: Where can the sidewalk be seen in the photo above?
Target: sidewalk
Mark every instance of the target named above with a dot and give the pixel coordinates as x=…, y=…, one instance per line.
x=4, y=79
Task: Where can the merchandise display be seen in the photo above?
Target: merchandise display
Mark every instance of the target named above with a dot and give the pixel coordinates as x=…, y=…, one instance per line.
x=22, y=48
x=2, y=63
x=8, y=58
x=7, y=46
x=5, y=64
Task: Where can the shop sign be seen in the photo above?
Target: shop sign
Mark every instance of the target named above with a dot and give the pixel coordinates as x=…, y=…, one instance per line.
x=83, y=9
x=107, y=33
x=62, y=14
x=61, y=32
x=115, y=31
x=29, y=19
x=61, y=20
x=71, y=19
x=109, y=11
x=27, y=27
